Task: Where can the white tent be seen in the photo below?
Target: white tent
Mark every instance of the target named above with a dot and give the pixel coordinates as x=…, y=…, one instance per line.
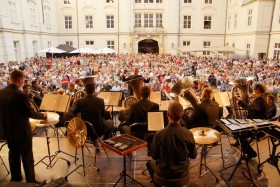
x=84, y=51
x=105, y=51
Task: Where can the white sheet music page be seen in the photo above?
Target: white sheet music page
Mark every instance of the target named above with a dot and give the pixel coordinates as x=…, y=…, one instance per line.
x=155, y=121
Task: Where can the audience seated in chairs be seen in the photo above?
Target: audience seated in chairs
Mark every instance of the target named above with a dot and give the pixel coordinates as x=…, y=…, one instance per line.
x=171, y=150
x=92, y=109
x=139, y=110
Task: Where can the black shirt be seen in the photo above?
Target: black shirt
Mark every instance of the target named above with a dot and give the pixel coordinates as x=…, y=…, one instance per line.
x=171, y=148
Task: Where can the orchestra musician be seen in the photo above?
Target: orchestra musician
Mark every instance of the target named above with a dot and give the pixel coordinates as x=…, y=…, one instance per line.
x=206, y=113
x=92, y=109
x=15, y=111
x=37, y=91
x=27, y=90
x=172, y=147
x=71, y=91
x=139, y=110
x=271, y=107
x=257, y=109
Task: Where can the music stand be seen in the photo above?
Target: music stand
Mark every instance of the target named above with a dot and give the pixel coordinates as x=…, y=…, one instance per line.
x=111, y=99
x=133, y=144
x=55, y=103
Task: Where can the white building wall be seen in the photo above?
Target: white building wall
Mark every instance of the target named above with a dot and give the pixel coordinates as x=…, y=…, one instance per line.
x=51, y=31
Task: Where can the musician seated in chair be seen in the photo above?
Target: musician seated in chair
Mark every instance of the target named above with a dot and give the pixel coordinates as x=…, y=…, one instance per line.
x=172, y=147
x=271, y=107
x=256, y=110
x=139, y=110
x=206, y=113
x=92, y=109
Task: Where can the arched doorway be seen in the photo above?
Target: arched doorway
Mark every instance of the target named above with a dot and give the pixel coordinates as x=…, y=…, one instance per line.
x=148, y=46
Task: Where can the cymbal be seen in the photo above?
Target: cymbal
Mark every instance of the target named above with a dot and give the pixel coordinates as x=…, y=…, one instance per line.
x=52, y=119
x=77, y=132
x=205, y=135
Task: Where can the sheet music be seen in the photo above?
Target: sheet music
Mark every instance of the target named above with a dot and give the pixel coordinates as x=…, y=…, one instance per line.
x=164, y=105
x=218, y=98
x=110, y=98
x=226, y=121
x=54, y=102
x=155, y=121
x=225, y=98
x=155, y=97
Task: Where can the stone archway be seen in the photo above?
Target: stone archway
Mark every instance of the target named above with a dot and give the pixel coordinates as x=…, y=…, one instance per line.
x=148, y=46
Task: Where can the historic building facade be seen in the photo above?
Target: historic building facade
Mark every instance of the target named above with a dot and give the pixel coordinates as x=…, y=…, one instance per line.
x=132, y=26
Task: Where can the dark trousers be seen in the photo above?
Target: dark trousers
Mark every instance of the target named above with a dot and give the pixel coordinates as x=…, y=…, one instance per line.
x=18, y=153
x=151, y=166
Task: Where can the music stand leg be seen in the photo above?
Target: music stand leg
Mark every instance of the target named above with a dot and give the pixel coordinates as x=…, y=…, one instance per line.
x=124, y=175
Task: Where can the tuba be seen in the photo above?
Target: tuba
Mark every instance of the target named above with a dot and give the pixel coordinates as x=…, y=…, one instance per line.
x=241, y=89
x=136, y=85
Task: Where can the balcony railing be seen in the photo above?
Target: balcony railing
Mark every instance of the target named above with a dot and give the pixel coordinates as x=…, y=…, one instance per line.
x=148, y=30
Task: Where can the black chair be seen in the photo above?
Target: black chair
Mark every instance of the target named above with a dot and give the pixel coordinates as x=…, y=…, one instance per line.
x=93, y=142
x=160, y=181
x=139, y=130
x=3, y=143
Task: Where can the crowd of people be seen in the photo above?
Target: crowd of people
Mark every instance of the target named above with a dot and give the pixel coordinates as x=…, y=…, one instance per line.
x=160, y=71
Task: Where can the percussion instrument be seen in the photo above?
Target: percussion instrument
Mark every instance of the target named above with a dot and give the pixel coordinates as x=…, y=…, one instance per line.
x=52, y=119
x=77, y=132
x=205, y=135
x=241, y=126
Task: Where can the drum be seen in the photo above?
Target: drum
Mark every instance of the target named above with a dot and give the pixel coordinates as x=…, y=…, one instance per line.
x=52, y=119
x=205, y=135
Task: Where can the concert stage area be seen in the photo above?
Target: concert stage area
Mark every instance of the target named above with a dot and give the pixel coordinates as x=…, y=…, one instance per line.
x=110, y=168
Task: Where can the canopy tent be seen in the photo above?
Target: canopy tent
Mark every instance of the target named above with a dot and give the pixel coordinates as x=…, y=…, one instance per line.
x=66, y=47
x=51, y=50
x=105, y=51
x=84, y=51
x=227, y=50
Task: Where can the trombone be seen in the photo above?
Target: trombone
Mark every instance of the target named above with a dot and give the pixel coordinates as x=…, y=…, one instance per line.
x=37, y=94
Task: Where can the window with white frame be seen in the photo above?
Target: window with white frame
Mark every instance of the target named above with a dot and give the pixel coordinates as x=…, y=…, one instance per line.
x=110, y=21
x=49, y=43
x=235, y=21
x=69, y=43
x=137, y=1
x=111, y=44
x=148, y=1
x=207, y=22
x=89, y=22
x=186, y=43
x=229, y=22
x=250, y=12
x=206, y=44
x=276, y=51
x=158, y=1
x=187, y=1
x=148, y=20
x=13, y=11
x=137, y=19
x=48, y=20
x=158, y=20
x=248, y=46
x=187, y=22
x=67, y=2
x=68, y=22
x=109, y=1
x=208, y=1
x=89, y=42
